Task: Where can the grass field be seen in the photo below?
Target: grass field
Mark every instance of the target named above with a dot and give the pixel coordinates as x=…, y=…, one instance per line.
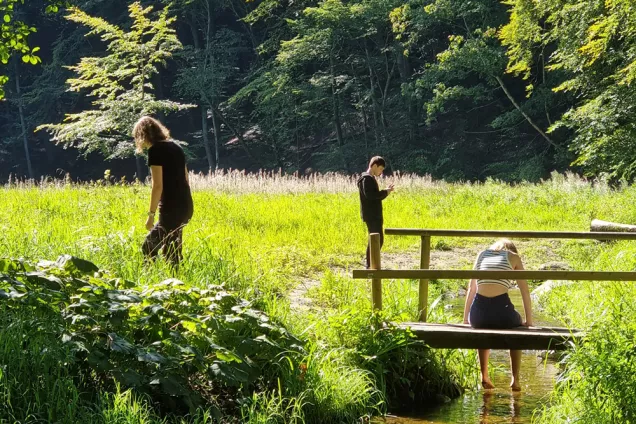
x=263, y=236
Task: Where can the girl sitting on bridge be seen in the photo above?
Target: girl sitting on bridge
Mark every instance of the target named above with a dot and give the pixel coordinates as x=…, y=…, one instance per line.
x=488, y=304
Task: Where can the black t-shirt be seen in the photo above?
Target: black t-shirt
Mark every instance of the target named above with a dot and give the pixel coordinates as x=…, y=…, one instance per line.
x=176, y=199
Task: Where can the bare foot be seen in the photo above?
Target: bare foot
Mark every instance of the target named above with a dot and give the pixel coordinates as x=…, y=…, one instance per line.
x=487, y=384
x=516, y=387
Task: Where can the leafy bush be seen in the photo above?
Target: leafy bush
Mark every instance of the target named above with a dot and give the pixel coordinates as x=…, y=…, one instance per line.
x=183, y=346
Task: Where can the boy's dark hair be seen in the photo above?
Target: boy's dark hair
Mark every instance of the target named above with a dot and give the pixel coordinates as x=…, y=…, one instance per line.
x=377, y=160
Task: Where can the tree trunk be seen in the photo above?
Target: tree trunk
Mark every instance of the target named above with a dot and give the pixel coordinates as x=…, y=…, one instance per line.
x=210, y=30
x=215, y=127
x=212, y=163
x=404, y=68
x=545, y=103
x=373, y=100
x=334, y=100
x=530, y=121
x=385, y=94
x=25, y=140
x=605, y=226
x=204, y=135
x=336, y=114
x=235, y=131
x=364, y=128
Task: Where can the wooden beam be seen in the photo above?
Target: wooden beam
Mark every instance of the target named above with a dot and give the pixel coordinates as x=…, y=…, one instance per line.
x=511, y=234
x=376, y=283
x=430, y=274
x=425, y=261
x=461, y=336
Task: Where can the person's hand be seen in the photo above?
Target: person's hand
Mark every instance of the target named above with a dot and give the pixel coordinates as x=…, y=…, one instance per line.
x=150, y=222
x=390, y=188
x=527, y=324
x=466, y=322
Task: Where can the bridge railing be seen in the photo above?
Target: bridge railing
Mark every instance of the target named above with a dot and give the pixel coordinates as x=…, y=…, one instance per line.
x=424, y=274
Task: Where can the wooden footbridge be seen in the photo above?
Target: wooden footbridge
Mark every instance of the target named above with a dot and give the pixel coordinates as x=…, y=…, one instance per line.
x=463, y=336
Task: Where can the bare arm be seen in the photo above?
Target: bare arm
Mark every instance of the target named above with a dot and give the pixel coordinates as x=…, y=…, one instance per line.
x=470, y=293
x=525, y=293
x=470, y=296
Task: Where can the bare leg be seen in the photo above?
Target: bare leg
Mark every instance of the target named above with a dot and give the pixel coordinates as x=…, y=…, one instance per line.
x=484, y=354
x=515, y=364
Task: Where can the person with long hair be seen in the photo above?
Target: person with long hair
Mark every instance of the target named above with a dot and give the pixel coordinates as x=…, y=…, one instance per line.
x=488, y=304
x=171, y=195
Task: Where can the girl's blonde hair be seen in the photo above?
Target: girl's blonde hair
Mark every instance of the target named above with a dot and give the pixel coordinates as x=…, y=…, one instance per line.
x=504, y=244
x=148, y=131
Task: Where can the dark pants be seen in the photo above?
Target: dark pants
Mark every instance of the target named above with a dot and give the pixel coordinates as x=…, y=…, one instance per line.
x=166, y=234
x=374, y=227
x=493, y=312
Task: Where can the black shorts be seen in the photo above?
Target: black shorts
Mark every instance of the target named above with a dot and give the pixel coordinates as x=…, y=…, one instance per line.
x=493, y=312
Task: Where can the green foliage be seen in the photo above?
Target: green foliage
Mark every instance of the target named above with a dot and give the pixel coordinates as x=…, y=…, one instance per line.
x=182, y=346
x=593, y=47
x=210, y=68
x=14, y=34
x=335, y=68
x=597, y=380
x=120, y=82
x=460, y=84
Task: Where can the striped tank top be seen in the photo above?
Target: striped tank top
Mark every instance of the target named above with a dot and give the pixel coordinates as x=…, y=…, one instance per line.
x=492, y=260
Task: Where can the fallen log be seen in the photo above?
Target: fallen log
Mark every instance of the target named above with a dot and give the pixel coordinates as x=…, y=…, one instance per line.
x=605, y=226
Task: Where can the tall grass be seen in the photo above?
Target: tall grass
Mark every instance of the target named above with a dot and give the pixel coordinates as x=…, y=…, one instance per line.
x=262, y=234
x=598, y=382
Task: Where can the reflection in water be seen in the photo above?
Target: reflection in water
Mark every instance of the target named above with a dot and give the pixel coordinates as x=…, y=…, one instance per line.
x=490, y=409
x=500, y=405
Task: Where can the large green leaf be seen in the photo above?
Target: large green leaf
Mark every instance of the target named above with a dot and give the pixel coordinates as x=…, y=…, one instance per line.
x=11, y=266
x=45, y=280
x=72, y=264
x=230, y=374
x=119, y=344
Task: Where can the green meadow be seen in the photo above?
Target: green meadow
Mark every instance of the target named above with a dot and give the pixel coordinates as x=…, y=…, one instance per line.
x=268, y=261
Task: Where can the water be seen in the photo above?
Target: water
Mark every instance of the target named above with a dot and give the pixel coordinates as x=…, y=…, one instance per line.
x=500, y=405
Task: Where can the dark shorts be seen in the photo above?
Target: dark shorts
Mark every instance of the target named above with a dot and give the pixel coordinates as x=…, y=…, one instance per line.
x=493, y=312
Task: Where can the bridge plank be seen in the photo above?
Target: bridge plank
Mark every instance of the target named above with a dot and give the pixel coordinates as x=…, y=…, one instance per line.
x=462, y=336
x=600, y=235
x=429, y=274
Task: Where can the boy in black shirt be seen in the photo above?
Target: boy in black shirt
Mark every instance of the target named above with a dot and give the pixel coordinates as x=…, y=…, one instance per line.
x=170, y=189
x=371, y=198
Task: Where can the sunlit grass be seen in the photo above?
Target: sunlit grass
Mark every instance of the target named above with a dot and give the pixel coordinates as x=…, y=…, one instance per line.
x=262, y=234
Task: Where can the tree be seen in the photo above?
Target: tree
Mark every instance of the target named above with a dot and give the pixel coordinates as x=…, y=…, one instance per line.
x=462, y=79
x=14, y=35
x=593, y=48
x=120, y=82
x=210, y=65
x=331, y=79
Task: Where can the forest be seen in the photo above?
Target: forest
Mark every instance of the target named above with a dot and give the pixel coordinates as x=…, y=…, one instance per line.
x=461, y=90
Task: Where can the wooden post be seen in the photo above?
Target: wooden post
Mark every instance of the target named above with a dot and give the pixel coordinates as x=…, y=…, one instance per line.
x=376, y=283
x=424, y=264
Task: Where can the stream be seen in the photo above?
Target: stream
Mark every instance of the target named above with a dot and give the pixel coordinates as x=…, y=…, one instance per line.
x=500, y=405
